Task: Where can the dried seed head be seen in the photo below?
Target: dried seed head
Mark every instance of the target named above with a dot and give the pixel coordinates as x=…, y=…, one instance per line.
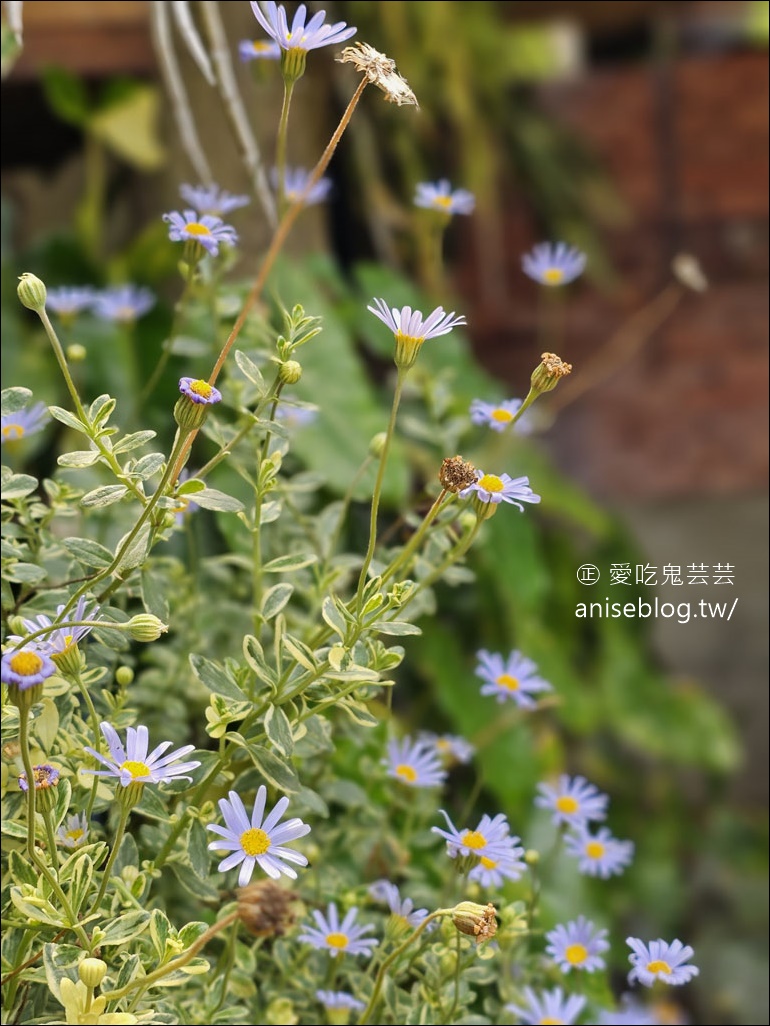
x=477, y=921
x=380, y=71
x=456, y=474
x=266, y=909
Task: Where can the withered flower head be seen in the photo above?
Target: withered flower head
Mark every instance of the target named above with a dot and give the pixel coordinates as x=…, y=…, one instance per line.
x=688, y=272
x=456, y=474
x=477, y=921
x=548, y=373
x=380, y=71
x=266, y=909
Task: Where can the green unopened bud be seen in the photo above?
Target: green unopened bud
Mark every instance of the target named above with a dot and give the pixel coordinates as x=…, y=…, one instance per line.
x=76, y=353
x=547, y=374
x=290, y=372
x=477, y=921
x=31, y=292
x=377, y=444
x=531, y=856
x=124, y=675
x=92, y=971
x=16, y=625
x=146, y=627
x=280, y=1012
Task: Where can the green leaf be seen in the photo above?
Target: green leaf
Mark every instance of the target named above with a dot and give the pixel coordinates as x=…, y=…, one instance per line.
x=66, y=94
x=396, y=628
x=154, y=595
x=160, y=928
x=60, y=960
x=14, y=399
x=133, y=441
x=215, y=678
x=25, y=573
x=197, y=849
x=18, y=485
x=101, y=409
x=278, y=730
x=104, y=496
x=89, y=553
x=276, y=771
x=129, y=127
x=125, y=927
x=148, y=465
x=251, y=371
x=275, y=598
x=298, y=650
x=334, y=616
x=136, y=552
x=47, y=724
x=20, y=869
x=67, y=418
x=210, y=498
x=80, y=882
x=79, y=458
x=283, y=564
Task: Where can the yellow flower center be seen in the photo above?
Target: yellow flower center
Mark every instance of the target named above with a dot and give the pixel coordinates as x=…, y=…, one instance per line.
x=473, y=839
x=125, y=313
x=406, y=772
x=567, y=804
x=491, y=483
x=196, y=228
x=13, y=432
x=337, y=940
x=26, y=664
x=254, y=841
x=659, y=966
x=136, y=769
x=443, y=202
x=260, y=46
x=74, y=835
x=488, y=863
x=595, y=850
x=576, y=954
x=42, y=778
x=506, y=681
x=553, y=275
x=502, y=416
x=551, y=1022
x=201, y=388
x=409, y=339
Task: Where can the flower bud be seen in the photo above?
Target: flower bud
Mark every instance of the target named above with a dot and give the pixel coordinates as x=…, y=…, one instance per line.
x=146, y=627
x=377, y=444
x=76, y=353
x=477, y=921
x=531, y=856
x=124, y=675
x=92, y=971
x=31, y=292
x=290, y=371
x=280, y=1011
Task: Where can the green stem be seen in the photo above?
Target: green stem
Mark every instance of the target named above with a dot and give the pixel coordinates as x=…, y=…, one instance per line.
x=97, y=738
x=177, y=449
x=456, y=1001
x=105, y=452
x=395, y=954
x=256, y=576
x=124, y=814
x=51, y=838
x=378, y=487
x=165, y=356
x=177, y=963
x=179, y=826
x=41, y=867
x=404, y=557
x=280, y=147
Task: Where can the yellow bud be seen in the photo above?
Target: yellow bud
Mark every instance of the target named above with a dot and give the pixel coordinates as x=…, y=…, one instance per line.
x=124, y=676
x=92, y=971
x=76, y=353
x=377, y=444
x=290, y=372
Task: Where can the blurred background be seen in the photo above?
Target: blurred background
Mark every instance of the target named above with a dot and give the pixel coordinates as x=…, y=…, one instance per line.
x=636, y=131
